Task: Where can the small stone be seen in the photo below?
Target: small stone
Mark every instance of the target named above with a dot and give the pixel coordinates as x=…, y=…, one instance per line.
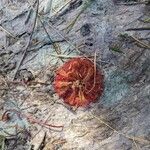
x=25, y=75
x=85, y=29
x=89, y=42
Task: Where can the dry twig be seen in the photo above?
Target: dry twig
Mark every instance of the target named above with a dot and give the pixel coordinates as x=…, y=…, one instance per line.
x=28, y=117
x=132, y=3
x=134, y=139
x=141, y=43
x=8, y=32
x=58, y=32
x=29, y=42
x=138, y=29
x=85, y=6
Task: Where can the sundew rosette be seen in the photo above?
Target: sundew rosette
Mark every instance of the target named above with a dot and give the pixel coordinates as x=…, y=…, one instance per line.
x=79, y=82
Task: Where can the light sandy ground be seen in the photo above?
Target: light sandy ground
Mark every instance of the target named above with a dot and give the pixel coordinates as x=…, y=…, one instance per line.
x=120, y=120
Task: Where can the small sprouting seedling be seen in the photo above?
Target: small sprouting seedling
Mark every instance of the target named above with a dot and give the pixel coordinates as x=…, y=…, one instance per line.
x=123, y=36
x=116, y=49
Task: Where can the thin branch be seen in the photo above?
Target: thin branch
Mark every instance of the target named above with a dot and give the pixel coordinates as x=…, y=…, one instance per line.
x=132, y=3
x=29, y=42
x=41, y=127
x=138, y=29
x=58, y=32
x=8, y=32
x=85, y=6
x=60, y=9
x=61, y=35
x=140, y=42
x=50, y=39
x=29, y=118
x=120, y=133
x=94, y=79
x=67, y=56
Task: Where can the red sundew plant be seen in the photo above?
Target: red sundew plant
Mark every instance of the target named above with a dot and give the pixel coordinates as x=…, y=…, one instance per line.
x=78, y=82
